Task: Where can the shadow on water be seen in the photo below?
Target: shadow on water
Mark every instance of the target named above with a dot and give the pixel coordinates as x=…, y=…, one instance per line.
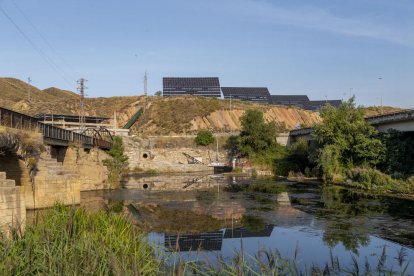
x=265, y=213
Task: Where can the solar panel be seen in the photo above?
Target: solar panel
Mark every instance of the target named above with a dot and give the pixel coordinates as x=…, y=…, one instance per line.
x=297, y=100
x=257, y=94
x=206, y=87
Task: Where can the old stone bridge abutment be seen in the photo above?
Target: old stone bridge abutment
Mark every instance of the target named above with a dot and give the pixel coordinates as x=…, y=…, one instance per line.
x=56, y=174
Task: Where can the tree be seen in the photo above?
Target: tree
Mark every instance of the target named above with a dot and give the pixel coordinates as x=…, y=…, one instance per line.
x=117, y=164
x=256, y=135
x=346, y=139
x=158, y=93
x=204, y=138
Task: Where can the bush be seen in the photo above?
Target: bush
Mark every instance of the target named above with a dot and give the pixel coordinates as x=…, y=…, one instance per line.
x=118, y=163
x=372, y=179
x=204, y=138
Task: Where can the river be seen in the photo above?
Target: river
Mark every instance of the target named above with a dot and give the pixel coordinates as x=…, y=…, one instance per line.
x=204, y=216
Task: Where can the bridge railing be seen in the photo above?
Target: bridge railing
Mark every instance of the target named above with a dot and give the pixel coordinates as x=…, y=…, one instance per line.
x=12, y=119
x=9, y=118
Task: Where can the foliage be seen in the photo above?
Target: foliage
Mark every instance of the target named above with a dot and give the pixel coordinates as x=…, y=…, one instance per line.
x=158, y=93
x=329, y=161
x=372, y=179
x=268, y=156
x=294, y=159
x=204, y=138
x=256, y=135
x=118, y=163
x=346, y=139
x=70, y=241
x=399, y=154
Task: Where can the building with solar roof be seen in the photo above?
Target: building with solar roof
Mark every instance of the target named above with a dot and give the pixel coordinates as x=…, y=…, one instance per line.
x=301, y=101
x=206, y=87
x=254, y=94
x=295, y=100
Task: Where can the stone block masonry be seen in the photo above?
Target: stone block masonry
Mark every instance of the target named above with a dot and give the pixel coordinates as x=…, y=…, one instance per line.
x=12, y=205
x=63, y=177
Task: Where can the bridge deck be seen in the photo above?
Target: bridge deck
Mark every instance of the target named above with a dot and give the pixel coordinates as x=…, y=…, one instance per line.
x=52, y=135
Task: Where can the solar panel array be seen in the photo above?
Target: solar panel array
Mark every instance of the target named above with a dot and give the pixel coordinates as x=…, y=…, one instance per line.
x=296, y=100
x=210, y=87
x=255, y=94
x=206, y=87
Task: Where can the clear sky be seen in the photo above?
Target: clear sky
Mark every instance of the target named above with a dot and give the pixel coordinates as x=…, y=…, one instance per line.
x=325, y=48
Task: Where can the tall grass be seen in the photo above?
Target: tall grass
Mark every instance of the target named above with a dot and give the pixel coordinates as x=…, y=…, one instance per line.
x=70, y=241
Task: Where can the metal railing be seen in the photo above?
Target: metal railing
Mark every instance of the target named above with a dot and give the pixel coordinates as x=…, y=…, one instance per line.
x=12, y=119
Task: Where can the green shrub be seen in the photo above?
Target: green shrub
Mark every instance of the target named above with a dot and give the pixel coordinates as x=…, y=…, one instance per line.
x=372, y=179
x=118, y=163
x=204, y=138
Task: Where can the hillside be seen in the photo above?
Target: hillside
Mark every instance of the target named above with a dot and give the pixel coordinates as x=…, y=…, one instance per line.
x=162, y=116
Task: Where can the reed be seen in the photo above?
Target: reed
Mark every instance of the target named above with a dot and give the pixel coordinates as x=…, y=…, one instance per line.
x=70, y=241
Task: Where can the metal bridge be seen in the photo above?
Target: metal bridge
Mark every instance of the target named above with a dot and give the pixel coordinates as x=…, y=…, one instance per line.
x=52, y=135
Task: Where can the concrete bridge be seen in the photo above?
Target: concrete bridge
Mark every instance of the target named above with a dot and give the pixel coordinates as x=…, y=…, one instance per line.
x=51, y=135
x=402, y=121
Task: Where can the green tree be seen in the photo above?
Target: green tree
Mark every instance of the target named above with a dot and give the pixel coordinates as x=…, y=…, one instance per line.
x=118, y=163
x=204, y=138
x=256, y=135
x=346, y=139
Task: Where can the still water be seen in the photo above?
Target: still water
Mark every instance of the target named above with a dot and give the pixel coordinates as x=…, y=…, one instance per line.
x=206, y=216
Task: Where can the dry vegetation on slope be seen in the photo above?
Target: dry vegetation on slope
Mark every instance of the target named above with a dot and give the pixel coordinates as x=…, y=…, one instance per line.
x=162, y=116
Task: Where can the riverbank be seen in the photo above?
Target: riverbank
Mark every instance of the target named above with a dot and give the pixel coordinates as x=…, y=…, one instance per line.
x=354, y=187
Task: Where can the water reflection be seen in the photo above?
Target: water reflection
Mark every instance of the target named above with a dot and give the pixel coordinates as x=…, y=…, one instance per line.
x=198, y=212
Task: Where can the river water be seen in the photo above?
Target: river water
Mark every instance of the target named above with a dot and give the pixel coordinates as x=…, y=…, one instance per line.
x=205, y=216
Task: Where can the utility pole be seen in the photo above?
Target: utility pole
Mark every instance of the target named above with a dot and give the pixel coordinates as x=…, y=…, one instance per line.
x=29, y=96
x=146, y=83
x=81, y=89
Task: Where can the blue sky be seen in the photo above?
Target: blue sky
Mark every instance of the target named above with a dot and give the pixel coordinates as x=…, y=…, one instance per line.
x=324, y=48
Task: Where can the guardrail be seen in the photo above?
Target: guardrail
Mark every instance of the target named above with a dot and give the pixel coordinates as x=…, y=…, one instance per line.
x=12, y=119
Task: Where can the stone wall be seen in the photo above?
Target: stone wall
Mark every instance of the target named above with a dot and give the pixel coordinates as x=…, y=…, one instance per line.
x=52, y=183
x=145, y=155
x=63, y=173
x=88, y=165
x=12, y=204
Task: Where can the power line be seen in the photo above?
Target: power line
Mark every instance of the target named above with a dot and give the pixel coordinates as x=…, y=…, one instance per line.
x=35, y=47
x=44, y=39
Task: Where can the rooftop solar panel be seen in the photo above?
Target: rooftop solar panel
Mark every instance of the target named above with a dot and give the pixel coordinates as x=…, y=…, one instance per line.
x=207, y=87
x=258, y=94
x=288, y=99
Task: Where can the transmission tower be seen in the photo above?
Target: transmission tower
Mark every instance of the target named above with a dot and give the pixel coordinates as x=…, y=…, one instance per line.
x=146, y=83
x=81, y=89
x=29, y=96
